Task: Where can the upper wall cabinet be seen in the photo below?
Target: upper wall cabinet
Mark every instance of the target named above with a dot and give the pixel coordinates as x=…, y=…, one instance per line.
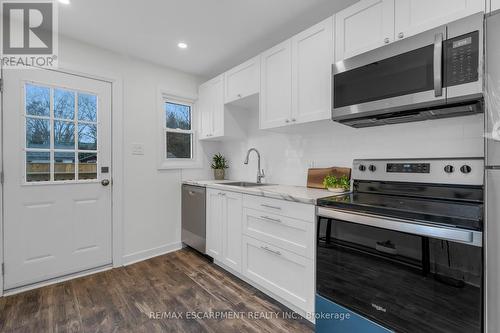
x=369, y=24
x=363, y=26
x=276, y=86
x=495, y=5
x=312, y=58
x=211, y=108
x=415, y=16
x=242, y=81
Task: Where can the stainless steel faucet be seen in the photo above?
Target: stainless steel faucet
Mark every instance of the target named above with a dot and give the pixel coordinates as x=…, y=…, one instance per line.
x=260, y=172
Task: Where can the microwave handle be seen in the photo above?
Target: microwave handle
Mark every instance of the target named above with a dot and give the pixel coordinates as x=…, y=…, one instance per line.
x=438, y=56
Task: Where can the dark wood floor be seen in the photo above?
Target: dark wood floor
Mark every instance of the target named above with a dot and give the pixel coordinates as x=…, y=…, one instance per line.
x=122, y=299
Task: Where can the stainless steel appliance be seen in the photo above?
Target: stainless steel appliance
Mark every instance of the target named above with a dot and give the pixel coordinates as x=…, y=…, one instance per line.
x=194, y=217
x=492, y=126
x=404, y=248
x=436, y=74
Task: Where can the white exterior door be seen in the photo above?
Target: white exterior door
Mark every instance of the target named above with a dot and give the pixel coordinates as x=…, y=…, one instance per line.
x=57, y=169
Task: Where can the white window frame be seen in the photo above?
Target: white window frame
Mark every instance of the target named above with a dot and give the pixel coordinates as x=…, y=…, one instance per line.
x=177, y=163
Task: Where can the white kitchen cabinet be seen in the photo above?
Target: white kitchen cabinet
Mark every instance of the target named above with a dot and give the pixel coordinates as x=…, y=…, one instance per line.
x=231, y=229
x=312, y=58
x=494, y=5
x=416, y=16
x=211, y=108
x=276, y=86
x=223, y=221
x=364, y=26
x=242, y=81
x=214, y=212
x=285, y=274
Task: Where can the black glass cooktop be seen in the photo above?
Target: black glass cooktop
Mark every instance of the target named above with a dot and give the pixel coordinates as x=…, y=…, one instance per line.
x=456, y=213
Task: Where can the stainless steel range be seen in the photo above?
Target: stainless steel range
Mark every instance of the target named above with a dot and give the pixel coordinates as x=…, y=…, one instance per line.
x=404, y=248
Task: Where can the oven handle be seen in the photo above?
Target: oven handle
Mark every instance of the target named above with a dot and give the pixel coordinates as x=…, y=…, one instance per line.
x=455, y=235
x=438, y=57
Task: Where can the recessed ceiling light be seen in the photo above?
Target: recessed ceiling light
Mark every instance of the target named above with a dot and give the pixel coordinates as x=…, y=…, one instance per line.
x=65, y=2
x=182, y=45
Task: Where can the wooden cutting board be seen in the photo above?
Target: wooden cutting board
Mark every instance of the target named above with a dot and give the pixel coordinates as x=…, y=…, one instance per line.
x=315, y=176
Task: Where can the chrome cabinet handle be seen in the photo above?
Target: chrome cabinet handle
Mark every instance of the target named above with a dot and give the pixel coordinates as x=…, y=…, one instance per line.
x=287, y=121
x=386, y=40
x=271, y=219
x=269, y=250
x=105, y=182
x=272, y=207
x=438, y=54
x=401, y=35
x=293, y=119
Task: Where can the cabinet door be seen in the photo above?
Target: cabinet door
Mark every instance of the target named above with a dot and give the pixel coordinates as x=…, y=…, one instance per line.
x=495, y=5
x=205, y=111
x=283, y=273
x=217, y=93
x=276, y=86
x=214, y=221
x=312, y=58
x=416, y=16
x=363, y=26
x=242, y=81
x=231, y=230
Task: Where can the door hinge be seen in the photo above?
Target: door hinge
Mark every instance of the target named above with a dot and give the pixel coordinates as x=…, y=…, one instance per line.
x=1, y=177
x=3, y=269
x=1, y=85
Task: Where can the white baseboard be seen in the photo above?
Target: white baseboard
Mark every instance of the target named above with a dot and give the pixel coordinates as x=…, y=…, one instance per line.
x=132, y=258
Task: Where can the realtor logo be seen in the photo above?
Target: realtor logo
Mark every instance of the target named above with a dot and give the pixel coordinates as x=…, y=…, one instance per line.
x=29, y=33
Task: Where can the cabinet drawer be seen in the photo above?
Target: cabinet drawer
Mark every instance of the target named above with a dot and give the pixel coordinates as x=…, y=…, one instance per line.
x=281, y=272
x=290, y=234
x=280, y=207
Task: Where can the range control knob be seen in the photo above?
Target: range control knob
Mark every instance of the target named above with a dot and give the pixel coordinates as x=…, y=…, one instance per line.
x=362, y=167
x=466, y=169
x=372, y=168
x=449, y=169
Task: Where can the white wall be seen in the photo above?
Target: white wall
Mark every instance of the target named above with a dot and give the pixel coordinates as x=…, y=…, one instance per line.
x=288, y=153
x=151, y=197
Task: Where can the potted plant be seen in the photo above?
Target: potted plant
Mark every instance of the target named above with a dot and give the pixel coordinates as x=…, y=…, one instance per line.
x=336, y=184
x=219, y=164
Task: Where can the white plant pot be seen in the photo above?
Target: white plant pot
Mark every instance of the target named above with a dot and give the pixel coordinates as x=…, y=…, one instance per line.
x=336, y=190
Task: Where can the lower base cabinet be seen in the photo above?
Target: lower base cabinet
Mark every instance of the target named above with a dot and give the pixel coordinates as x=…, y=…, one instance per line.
x=282, y=272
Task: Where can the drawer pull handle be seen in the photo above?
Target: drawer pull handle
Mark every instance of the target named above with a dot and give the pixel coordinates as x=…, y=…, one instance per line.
x=269, y=206
x=270, y=219
x=269, y=250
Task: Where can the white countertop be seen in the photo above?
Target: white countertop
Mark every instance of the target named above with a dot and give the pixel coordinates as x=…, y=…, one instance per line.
x=284, y=192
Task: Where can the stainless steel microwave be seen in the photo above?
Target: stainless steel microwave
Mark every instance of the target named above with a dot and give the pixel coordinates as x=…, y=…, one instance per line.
x=435, y=74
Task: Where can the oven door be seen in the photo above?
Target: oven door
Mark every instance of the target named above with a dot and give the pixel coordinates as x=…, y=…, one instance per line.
x=407, y=282
x=405, y=75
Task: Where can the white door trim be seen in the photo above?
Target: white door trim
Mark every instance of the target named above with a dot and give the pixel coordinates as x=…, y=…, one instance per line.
x=117, y=159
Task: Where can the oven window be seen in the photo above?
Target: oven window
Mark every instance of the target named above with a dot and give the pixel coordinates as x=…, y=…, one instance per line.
x=403, y=74
x=405, y=282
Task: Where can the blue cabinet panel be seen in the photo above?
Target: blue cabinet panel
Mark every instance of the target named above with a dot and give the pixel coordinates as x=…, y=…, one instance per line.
x=333, y=318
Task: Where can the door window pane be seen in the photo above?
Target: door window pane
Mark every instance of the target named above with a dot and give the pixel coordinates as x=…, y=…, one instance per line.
x=178, y=116
x=37, y=166
x=64, y=135
x=64, y=166
x=37, y=100
x=87, y=166
x=178, y=145
x=64, y=104
x=87, y=136
x=87, y=107
x=37, y=133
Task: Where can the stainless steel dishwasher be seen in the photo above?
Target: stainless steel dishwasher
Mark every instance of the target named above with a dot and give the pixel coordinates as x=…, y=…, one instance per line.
x=193, y=217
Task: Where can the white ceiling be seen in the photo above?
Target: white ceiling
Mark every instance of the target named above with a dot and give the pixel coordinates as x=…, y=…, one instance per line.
x=220, y=33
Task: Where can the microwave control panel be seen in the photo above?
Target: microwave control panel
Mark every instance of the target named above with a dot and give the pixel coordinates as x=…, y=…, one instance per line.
x=461, y=59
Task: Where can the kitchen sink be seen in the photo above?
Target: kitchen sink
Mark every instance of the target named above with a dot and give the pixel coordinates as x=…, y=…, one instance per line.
x=245, y=184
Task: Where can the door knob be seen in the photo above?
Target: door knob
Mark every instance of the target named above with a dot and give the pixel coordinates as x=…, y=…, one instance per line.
x=401, y=35
x=105, y=182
